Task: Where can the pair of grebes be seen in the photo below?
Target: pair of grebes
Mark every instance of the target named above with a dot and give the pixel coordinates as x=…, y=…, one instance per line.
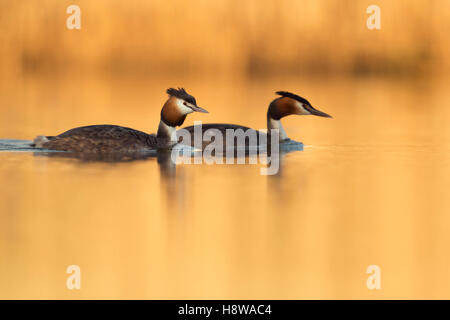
x=111, y=138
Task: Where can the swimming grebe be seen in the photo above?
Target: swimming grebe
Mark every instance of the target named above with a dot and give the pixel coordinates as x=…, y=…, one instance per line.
x=111, y=138
x=289, y=103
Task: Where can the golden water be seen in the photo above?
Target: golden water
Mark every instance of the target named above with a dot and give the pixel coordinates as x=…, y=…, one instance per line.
x=371, y=187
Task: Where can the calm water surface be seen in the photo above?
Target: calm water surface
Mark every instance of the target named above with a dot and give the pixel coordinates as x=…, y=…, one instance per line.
x=371, y=187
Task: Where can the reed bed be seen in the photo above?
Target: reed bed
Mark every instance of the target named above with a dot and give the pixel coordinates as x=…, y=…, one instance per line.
x=225, y=36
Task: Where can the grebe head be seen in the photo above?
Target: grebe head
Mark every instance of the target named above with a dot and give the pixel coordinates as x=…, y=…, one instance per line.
x=178, y=106
x=290, y=103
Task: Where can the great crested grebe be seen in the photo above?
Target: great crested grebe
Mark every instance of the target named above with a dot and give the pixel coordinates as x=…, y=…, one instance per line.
x=111, y=138
x=289, y=103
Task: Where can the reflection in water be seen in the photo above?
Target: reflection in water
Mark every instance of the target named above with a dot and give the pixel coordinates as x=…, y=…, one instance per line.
x=171, y=183
x=167, y=166
x=167, y=159
x=370, y=187
x=99, y=157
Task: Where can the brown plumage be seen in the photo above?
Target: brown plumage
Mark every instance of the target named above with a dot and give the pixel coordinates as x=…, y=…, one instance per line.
x=280, y=107
x=170, y=113
x=222, y=127
x=112, y=138
x=99, y=139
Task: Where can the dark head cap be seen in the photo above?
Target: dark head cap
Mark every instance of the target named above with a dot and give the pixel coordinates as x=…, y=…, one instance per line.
x=293, y=105
x=293, y=96
x=180, y=93
x=175, y=111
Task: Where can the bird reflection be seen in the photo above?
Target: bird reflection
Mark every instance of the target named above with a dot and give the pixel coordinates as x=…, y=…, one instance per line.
x=166, y=165
x=98, y=157
x=167, y=159
x=173, y=182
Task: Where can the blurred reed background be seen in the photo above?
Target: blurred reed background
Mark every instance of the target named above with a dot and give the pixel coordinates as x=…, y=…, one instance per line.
x=251, y=37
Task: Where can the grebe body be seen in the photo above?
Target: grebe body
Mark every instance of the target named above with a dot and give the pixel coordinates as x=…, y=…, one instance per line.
x=113, y=138
x=287, y=104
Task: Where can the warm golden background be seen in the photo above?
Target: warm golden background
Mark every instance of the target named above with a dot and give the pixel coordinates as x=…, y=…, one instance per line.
x=371, y=187
x=226, y=36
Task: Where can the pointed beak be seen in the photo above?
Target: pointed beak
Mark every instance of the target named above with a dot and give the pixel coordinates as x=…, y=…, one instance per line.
x=319, y=113
x=198, y=109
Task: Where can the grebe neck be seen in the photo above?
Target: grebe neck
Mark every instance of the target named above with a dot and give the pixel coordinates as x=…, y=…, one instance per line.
x=166, y=133
x=276, y=124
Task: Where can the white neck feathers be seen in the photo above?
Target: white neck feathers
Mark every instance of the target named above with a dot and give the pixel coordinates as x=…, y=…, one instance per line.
x=276, y=124
x=166, y=132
